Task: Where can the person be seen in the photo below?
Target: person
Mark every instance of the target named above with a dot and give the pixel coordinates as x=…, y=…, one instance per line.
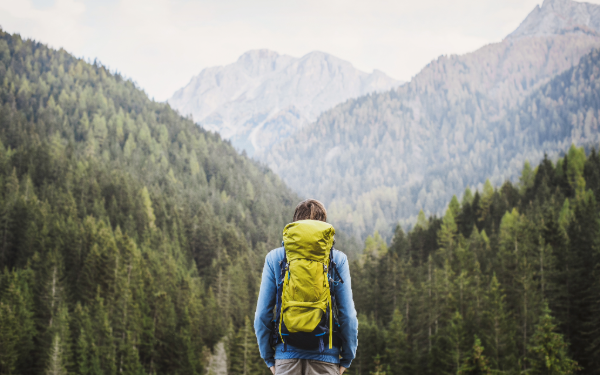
x=285, y=359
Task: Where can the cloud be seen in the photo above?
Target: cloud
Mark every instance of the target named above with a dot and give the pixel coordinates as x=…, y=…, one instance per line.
x=161, y=44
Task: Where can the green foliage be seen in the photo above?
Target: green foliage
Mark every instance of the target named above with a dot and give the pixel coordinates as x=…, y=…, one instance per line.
x=527, y=177
x=447, y=233
x=113, y=225
x=467, y=196
x=378, y=367
x=244, y=354
x=499, y=329
x=397, y=349
x=548, y=351
x=422, y=220
x=375, y=246
x=368, y=356
x=475, y=363
x=454, y=300
x=16, y=321
x=576, y=157
x=9, y=337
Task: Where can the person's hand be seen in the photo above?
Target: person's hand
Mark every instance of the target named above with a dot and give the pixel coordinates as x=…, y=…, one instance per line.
x=272, y=368
x=342, y=369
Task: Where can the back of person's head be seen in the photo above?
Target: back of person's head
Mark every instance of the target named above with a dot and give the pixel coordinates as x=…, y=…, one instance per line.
x=310, y=209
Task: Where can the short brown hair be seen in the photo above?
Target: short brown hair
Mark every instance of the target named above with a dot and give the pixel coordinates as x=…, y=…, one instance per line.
x=310, y=209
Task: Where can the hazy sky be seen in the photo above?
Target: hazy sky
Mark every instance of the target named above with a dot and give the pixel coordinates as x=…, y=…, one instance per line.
x=161, y=44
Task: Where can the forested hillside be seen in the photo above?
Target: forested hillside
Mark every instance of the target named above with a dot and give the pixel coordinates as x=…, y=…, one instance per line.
x=507, y=281
x=566, y=109
x=383, y=157
x=131, y=241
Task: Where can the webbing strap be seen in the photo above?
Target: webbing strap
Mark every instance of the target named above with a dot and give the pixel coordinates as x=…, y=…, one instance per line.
x=286, y=281
x=315, y=305
x=330, y=310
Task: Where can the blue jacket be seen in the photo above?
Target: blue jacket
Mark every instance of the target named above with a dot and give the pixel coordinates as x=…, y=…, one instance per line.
x=264, y=315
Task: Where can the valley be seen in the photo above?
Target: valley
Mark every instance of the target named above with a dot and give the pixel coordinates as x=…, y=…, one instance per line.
x=133, y=233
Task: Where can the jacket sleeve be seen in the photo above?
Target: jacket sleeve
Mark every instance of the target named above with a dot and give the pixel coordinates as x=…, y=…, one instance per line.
x=348, y=321
x=264, y=313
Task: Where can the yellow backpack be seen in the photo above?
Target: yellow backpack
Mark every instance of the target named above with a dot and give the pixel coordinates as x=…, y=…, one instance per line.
x=305, y=306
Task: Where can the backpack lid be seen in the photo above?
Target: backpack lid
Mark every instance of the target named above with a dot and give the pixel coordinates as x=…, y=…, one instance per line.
x=308, y=239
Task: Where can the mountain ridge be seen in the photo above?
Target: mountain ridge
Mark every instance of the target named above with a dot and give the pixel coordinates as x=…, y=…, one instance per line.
x=263, y=90
x=557, y=16
x=392, y=154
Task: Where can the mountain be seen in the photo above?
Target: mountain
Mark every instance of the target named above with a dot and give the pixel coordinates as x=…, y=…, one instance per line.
x=132, y=241
x=382, y=158
x=265, y=97
x=560, y=16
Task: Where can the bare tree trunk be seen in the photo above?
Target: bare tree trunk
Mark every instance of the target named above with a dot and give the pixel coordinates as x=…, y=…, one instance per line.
x=429, y=279
x=53, y=297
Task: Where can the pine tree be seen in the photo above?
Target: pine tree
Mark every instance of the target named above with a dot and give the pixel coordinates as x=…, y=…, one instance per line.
x=498, y=330
x=59, y=358
x=130, y=360
x=583, y=254
x=451, y=346
x=526, y=180
x=18, y=320
x=422, y=220
x=56, y=361
x=372, y=339
x=475, y=362
x=547, y=350
x=454, y=206
x=517, y=260
x=591, y=173
x=486, y=201
x=575, y=169
x=466, y=218
x=103, y=339
x=9, y=339
x=400, y=245
x=244, y=355
x=397, y=352
x=593, y=325
x=447, y=236
x=467, y=197
x=147, y=216
x=377, y=366
x=11, y=195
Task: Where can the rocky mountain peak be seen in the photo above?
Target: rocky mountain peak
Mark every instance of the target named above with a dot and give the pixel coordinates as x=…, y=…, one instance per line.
x=258, y=54
x=560, y=17
x=264, y=97
x=259, y=62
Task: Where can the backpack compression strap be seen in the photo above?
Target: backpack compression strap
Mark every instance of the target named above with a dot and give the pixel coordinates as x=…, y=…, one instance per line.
x=286, y=276
x=330, y=309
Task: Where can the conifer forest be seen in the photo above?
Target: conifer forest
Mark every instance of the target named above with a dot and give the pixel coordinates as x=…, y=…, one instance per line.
x=132, y=242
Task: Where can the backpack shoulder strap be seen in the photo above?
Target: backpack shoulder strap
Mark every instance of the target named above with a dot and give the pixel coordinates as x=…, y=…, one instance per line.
x=334, y=270
x=279, y=297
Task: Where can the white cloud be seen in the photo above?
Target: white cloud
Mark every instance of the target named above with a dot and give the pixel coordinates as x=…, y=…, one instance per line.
x=161, y=44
